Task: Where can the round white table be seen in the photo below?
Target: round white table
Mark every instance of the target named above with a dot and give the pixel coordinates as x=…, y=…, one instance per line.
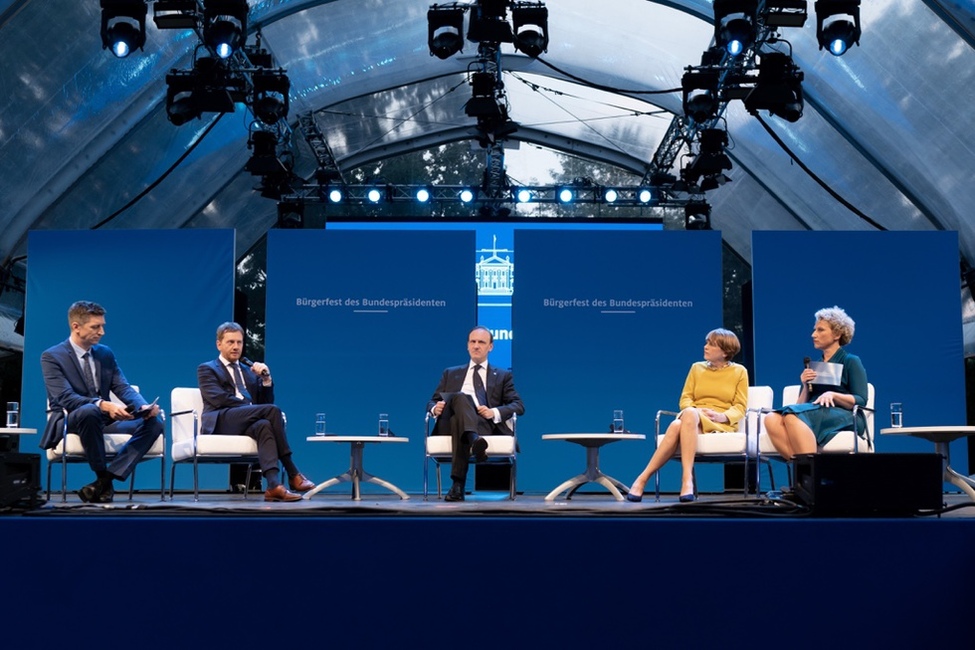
x=941, y=436
x=592, y=442
x=16, y=431
x=356, y=474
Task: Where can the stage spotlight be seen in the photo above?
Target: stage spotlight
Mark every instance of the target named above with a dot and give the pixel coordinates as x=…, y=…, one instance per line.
x=270, y=95
x=123, y=26
x=700, y=90
x=291, y=214
x=335, y=195
x=523, y=195
x=530, y=28
x=610, y=195
x=423, y=195
x=445, y=28
x=734, y=24
x=466, y=195
x=779, y=87
x=224, y=25
x=645, y=195
x=566, y=195
x=375, y=195
x=837, y=25
x=697, y=216
x=175, y=14
x=181, y=105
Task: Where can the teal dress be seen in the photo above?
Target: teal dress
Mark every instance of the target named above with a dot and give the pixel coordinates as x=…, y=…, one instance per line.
x=825, y=422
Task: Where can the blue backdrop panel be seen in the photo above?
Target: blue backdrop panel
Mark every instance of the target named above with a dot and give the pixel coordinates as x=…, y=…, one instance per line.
x=360, y=323
x=901, y=289
x=608, y=320
x=164, y=292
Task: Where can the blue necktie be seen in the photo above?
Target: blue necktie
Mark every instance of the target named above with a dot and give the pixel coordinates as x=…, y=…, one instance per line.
x=239, y=378
x=479, y=391
x=89, y=377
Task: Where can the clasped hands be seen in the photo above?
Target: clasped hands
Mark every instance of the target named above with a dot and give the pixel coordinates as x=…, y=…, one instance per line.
x=484, y=411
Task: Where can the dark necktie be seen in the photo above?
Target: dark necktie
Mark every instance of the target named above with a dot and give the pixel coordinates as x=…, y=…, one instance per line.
x=479, y=391
x=239, y=378
x=89, y=378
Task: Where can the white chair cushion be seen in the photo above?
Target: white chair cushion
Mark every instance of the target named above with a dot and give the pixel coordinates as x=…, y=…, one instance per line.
x=215, y=445
x=497, y=445
x=113, y=444
x=718, y=443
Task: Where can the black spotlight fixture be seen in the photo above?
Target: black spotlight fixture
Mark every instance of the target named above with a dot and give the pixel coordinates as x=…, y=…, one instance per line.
x=445, y=31
x=697, y=215
x=483, y=102
x=711, y=161
x=123, y=26
x=837, y=25
x=735, y=24
x=487, y=23
x=779, y=87
x=291, y=214
x=264, y=160
x=181, y=105
x=700, y=91
x=271, y=88
x=224, y=26
x=530, y=28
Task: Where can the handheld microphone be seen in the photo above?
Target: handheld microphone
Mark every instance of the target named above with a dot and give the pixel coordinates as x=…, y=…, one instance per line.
x=247, y=362
x=805, y=362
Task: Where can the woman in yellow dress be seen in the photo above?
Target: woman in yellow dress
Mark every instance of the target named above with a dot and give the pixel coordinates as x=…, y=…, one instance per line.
x=714, y=398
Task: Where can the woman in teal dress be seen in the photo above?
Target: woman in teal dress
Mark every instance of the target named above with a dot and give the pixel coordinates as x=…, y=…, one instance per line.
x=824, y=411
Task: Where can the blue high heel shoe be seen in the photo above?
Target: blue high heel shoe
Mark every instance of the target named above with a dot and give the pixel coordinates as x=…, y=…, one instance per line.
x=686, y=498
x=634, y=498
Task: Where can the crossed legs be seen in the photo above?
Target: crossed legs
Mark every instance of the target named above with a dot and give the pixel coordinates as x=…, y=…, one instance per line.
x=789, y=435
x=681, y=433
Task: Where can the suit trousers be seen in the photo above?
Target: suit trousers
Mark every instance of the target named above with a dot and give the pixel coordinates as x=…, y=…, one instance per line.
x=262, y=422
x=462, y=419
x=90, y=423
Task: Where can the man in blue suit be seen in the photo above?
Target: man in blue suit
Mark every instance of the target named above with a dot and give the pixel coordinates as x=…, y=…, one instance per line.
x=238, y=399
x=471, y=401
x=79, y=373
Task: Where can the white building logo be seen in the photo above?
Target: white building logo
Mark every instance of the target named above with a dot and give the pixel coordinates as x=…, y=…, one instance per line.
x=495, y=275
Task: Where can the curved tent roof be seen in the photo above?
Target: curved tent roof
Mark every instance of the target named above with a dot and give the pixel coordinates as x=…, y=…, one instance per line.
x=885, y=129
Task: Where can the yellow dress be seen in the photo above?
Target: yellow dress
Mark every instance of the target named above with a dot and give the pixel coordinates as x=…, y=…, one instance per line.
x=724, y=390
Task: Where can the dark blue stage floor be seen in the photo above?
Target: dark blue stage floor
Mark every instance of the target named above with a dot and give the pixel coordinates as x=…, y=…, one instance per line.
x=590, y=573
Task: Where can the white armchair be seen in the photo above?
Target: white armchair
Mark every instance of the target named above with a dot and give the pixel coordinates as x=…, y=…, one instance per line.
x=726, y=447
x=438, y=450
x=190, y=446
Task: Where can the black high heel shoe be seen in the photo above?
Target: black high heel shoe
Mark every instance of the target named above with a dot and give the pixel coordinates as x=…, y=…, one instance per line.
x=686, y=498
x=634, y=498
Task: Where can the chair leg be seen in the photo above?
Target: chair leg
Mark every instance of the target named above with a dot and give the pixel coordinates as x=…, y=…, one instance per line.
x=196, y=480
x=49, y=481
x=172, y=480
x=162, y=474
x=64, y=473
x=132, y=484
x=247, y=481
x=512, y=491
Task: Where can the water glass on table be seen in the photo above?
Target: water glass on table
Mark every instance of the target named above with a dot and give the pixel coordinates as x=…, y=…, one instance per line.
x=319, y=424
x=618, y=421
x=384, y=424
x=13, y=415
x=896, y=415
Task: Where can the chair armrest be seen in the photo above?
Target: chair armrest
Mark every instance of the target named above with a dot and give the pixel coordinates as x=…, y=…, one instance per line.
x=856, y=429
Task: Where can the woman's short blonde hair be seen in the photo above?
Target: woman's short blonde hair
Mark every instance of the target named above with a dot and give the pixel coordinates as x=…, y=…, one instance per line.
x=726, y=340
x=843, y=326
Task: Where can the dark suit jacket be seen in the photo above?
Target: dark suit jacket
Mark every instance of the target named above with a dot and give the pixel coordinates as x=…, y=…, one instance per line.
x=66, y=388
x=500, y=389
x=219, y=391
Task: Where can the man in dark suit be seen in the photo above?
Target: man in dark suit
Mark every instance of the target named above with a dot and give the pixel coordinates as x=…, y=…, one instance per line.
x=239, y=400
x=471, y=401
x=79, y=373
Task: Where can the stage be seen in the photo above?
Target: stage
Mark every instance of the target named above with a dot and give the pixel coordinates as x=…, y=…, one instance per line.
x=725, y=571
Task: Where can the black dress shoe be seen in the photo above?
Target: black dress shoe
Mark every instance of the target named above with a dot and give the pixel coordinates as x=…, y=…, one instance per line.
x=89, y=492
x=479, y=450
x=106, y=495
x=456, y=493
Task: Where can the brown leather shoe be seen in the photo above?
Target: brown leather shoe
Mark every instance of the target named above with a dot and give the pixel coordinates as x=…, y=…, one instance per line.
x=300, y=483
x=280, y=493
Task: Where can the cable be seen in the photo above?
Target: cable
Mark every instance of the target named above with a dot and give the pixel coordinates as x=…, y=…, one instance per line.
x=159, y=180
x=608, y=89
x=816, y=178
